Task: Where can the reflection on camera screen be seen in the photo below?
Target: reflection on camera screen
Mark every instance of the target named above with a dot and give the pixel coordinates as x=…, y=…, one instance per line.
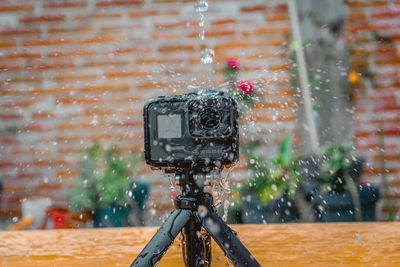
x=169, y=126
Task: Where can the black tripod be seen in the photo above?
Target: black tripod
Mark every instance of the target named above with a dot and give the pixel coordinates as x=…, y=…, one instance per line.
x=194, y=215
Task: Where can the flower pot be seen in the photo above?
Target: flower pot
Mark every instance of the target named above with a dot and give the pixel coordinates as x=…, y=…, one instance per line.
x=282, y=210
x=113, y=216
x=309, y=167
x=60, y=218
x=339, y=207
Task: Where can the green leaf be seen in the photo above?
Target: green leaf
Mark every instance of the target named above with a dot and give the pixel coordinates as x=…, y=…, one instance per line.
x=285, y=151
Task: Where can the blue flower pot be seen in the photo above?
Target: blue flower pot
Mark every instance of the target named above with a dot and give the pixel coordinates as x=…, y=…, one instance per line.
x=113, y=216
x=339, y=207
x=255, y=212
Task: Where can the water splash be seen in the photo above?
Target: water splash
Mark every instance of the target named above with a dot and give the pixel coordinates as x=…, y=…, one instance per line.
x=207, y=56
x=221, y=190
x=201, y=6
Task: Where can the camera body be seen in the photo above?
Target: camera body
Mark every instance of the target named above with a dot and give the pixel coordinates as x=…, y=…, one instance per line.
x=195, y=130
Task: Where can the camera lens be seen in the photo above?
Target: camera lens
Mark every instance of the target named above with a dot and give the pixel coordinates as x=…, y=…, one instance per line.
x=209, y=119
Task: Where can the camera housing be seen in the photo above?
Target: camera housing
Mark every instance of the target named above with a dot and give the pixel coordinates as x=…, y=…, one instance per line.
x=195, y=130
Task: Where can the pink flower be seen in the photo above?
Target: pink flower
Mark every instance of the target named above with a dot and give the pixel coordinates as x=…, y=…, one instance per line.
x=245, y=86
x=233, y=63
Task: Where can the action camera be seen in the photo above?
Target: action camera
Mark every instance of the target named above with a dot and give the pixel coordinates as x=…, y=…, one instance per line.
x=196, y=130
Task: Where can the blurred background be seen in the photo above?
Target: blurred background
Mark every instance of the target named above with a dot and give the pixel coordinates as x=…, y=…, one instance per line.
x=75, y=74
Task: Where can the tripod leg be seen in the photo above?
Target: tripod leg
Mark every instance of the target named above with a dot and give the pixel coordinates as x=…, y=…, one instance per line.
x=226, y=239
x=196, y=245
x=164, y=237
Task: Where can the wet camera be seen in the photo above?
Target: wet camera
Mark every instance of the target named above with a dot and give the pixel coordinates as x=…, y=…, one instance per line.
x=196, y=130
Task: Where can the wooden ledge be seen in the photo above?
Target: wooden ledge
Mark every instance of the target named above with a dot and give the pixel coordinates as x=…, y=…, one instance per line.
x=278, y=245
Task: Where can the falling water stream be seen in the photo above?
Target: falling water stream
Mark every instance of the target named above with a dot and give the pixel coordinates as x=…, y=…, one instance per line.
x=207, y=54
x=220, y=188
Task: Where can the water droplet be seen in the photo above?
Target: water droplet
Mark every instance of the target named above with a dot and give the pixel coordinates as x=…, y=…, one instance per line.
x=201, y=34
x=201, y=6
x=207, y=56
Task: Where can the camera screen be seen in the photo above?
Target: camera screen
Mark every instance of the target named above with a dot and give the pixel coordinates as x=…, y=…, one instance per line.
x=169, y=126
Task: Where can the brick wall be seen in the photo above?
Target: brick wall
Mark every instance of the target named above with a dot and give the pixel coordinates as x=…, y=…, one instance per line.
x=75, y=72
x=372, y=32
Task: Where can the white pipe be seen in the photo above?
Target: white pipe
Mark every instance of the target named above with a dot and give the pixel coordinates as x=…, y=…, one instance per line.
x=304, y=83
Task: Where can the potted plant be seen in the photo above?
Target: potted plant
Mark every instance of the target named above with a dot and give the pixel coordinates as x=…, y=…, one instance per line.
x=341, y=197
x=104, y=187
x=271, y=194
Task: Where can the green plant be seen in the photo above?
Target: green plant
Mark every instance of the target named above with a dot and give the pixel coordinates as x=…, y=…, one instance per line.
x=275, y=177
x=104, y=179
x=337, y=157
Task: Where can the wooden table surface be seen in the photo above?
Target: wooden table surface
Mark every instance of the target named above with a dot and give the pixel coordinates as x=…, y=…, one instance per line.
x=329, y=244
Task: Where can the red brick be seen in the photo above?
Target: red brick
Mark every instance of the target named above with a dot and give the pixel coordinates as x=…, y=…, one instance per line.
x=79, y=29
x=392, y=132
x=279, y=67
x=37, y=127
x=277, y=17
x=5, y=140
x=353, y=16
x=389, y=157
x=114, y=74
x=106, y=87
x=6, y=44
x=153, y=61
x=66, y=174
x=53, y=162
x=99, y=16
x=267, y=30
x=365, y=3
x=126, y=50
x=10, y=92
x=149, y=13
x=77, y=100
x=51, y=66
x=72, y=53
x=175, y=48
x=224, y=21
x=213, y=33
x=172, y=25
x=42, y=115
x=74, y=77
x=378, y=171
x=47, y=42
x=48, y=186
x=19, y=104
x=65, y=5
x=12, y=8
x=78, y=125
x=391, y=61
x=19, y=31
x=21, y=55
x=125, y=99
x=119, y=3
x=277, y=42
x=56, y=90
x=99, y=112
x=11, y=116
x=101, y=39
x=43, y=18
x=134, y=123
x=106, y=62
x=150, y=85
x=10, y=67
x=258, y=8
